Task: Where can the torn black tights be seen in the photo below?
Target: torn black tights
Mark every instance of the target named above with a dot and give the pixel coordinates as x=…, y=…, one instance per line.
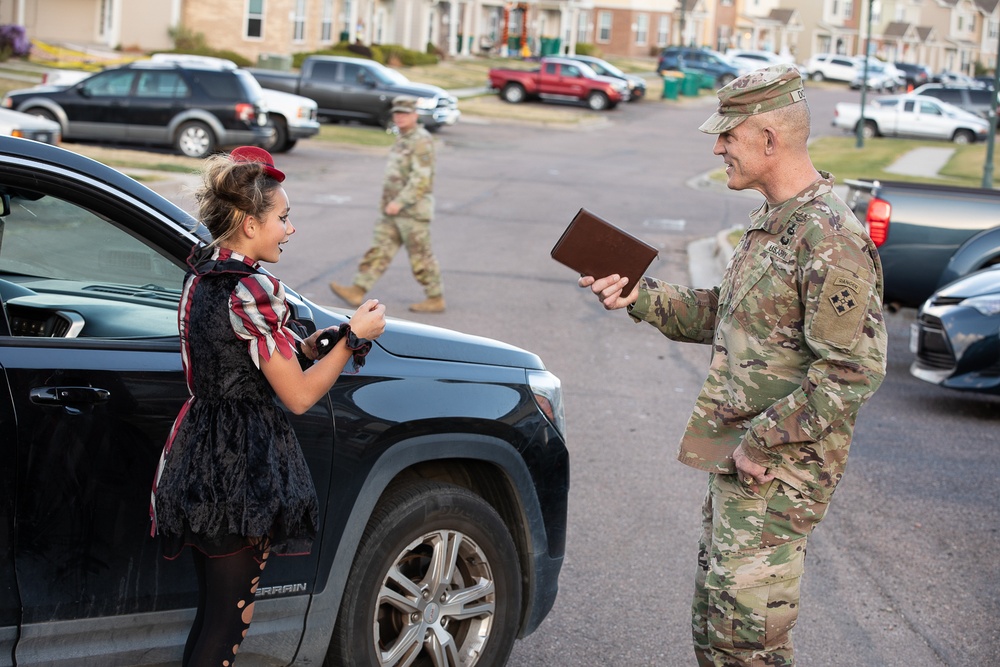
x=226, y=587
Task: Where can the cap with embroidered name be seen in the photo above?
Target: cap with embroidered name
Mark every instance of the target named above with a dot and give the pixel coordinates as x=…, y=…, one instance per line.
x=404, y=104
x=762, y=90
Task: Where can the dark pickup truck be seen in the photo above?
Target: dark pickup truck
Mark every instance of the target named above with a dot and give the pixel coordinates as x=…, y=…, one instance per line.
x=360, y=90
x=927, y=235
x=441, y=466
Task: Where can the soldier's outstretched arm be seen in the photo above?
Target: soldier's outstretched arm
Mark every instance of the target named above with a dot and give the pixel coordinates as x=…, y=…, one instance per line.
x=611, y=290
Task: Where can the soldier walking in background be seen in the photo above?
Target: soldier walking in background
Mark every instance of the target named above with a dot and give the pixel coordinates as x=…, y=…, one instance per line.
x=798, y=345
x=407, y=208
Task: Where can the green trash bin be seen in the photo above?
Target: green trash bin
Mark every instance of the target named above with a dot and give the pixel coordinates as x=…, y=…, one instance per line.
x=707, y=81
x=671, y=87
x=690, y=84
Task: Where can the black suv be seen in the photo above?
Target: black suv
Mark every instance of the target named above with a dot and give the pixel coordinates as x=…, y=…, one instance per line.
x=703, y=61
x=197, y=110
x=975, y=100
x=441, y=466
x=916, y=75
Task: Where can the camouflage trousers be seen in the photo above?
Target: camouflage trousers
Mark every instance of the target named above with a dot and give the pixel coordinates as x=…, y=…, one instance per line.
x=750, y=561
x=391, y=232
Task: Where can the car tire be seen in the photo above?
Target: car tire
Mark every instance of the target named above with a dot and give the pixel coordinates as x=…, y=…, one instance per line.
x=869, y=130
x=195, y=139
x=963, y=137
x=597, y=101
x=513, y=93
x=724, y=80
x=817, y=76
x=280, y=143
x=42, y=113
x=427, y=542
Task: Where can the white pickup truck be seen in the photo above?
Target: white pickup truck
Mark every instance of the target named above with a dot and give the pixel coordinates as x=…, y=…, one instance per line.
x=294, y=116
x=913, y=117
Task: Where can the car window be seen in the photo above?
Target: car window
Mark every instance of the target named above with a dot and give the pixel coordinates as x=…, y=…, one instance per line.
x=222, y=85
x=842, y=62
x=162, y=84
x=571, y=70
x=109, y=84
x=353, y=73
x=945, y=95
x=908, y=106
x=979, y=97
x=323, y=70
x=551, y=68
x=79, y=274
x=930, y=109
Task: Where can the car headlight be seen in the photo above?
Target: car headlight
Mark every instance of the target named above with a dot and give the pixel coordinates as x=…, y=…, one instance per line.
x=547, y=391
x=987, y=305
x=426, y=103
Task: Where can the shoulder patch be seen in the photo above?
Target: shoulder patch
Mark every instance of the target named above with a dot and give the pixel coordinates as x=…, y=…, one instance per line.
x=841, y=310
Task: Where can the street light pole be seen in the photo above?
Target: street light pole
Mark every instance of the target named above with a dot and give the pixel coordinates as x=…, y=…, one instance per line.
x=988, y=167
x=864, y=81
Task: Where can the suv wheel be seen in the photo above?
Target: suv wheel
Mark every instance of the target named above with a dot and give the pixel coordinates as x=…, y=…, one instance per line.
x=597, y=101
x=436, y=581
x=279, y=143
x=513, y=93
x=195, y=139
x=817, y=76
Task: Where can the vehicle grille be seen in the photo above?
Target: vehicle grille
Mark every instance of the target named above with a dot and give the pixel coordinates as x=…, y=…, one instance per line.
x=933, y=350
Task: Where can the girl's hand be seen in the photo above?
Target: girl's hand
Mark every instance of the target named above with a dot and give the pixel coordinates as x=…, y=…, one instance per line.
x=368, y=320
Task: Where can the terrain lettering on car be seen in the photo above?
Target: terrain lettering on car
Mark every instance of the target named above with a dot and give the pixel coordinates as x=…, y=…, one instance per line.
x=265, y=591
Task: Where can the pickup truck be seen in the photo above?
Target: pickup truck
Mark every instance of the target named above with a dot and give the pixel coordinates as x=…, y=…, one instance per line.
x=562, y=79
x=441, y=466
x=927, y=235
x=360, y=90
x=912, y=116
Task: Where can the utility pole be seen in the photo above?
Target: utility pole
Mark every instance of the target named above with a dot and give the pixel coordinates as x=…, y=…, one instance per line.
x=680, y=37
x=864, y=80
x=991, y=139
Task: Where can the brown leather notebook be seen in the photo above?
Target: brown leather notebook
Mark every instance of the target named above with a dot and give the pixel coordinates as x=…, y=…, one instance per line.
x=592, y=246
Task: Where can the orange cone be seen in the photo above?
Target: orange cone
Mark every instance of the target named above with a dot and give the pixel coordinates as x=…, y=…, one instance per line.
x=909, y=87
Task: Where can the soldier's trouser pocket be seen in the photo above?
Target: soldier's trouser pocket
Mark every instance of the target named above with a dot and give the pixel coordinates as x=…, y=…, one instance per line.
x=753, y=599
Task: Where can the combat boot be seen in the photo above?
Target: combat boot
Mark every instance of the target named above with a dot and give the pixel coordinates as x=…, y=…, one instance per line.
x=352, y=294
x=434, y=304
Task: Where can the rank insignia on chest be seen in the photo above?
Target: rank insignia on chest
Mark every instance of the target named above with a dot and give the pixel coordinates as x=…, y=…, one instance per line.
x=843, y=301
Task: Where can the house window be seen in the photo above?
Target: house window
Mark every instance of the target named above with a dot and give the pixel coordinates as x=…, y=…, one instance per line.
x=326, y=26
x=299, y=21
x=582, y=21
x=641, y=29
x=345, y=20
x=604, y=26
x=255, y=19
x=663, y=31
x=848, y=8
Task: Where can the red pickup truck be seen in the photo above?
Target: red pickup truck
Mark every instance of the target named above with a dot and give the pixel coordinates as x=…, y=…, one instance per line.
x=559, y=78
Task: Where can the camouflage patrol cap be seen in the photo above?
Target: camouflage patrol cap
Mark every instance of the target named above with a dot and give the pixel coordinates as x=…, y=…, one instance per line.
x=765, y=89
x=404, y=104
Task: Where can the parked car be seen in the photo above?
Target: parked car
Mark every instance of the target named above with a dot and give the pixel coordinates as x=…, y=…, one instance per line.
x=911, y=116
x=916, y=75
x=293, y=117
x=832, y=67
x=954, y=79
x=703, y=61
x=750, y=59
x=956, y=336
x=558, y=78
x=27, y=126
x=193, y=108
x=361, y=90
x=636, y=84
x=975, y=100
x=441, y=466
x=880, y=78
x=927, y=234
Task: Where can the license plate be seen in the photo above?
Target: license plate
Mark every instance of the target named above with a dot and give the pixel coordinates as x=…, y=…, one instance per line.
x=914, y=337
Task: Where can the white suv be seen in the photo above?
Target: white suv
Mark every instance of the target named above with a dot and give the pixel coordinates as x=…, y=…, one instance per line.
x=832, y=66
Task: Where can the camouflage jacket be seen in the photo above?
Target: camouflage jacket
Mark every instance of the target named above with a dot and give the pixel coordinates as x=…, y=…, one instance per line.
x=799, y=342
x=409, y=174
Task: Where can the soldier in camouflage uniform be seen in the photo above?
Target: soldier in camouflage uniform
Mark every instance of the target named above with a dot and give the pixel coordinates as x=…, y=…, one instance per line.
x=407, y=207
x=799, y=344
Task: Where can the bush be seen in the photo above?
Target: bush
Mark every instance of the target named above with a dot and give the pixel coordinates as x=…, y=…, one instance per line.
x=195, y=44
x=583, y=49
x=13, y=42
x=387, y=54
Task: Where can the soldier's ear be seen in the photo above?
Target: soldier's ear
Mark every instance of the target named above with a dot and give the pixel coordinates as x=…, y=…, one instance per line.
x=770, y=140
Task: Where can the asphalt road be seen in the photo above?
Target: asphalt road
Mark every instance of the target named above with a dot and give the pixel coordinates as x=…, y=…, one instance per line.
x=902, y=573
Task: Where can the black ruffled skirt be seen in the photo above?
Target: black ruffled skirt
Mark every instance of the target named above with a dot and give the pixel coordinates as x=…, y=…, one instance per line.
x=235, y=478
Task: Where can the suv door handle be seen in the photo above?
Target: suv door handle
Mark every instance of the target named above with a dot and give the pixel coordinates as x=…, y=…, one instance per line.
x=69, y=395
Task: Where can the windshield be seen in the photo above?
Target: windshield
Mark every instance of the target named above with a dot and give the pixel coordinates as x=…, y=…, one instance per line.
x=389, y=77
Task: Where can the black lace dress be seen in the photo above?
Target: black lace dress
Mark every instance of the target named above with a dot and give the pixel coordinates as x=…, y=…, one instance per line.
x=232, y=474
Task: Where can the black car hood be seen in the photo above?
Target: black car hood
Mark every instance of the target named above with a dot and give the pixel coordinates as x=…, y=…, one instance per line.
x=418, y=90
x=979, y=283
x=412, y=339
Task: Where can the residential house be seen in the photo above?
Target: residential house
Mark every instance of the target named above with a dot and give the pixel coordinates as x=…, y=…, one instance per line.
x=763, y=25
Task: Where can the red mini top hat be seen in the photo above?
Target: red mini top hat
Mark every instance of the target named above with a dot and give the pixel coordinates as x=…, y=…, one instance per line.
x=257, y=154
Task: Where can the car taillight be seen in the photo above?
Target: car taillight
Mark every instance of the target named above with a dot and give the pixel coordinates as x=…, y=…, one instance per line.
x=877, y=219
x=245, y=113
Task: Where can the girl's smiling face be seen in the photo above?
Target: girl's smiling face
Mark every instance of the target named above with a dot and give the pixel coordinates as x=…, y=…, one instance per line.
x=273, y=230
